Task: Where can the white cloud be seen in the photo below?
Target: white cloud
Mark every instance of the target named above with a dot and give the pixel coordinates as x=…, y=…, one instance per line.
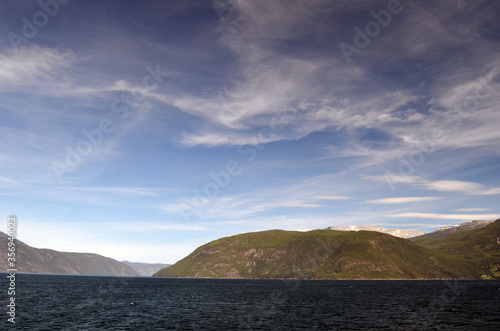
x=332, y=197
x=459, y=186
x=393, y=178
x=311, y=193
x=232, y=138
x=464, y=217
x=155, y=227
x=269, y=80
x=120, y=190
x=8, y=181
x=472, y=209
x=291, y=204
x=235, y=207
x=402, y=200
x=36, y=68
x=464, y=96
x=266, y=89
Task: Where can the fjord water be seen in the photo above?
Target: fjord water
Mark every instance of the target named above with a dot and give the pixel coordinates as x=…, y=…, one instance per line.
x=55, y=302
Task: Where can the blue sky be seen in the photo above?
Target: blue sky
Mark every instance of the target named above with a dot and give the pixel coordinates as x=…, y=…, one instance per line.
x=141, y=130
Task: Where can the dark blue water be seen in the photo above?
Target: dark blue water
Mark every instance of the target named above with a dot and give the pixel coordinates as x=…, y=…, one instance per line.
x=51, y=302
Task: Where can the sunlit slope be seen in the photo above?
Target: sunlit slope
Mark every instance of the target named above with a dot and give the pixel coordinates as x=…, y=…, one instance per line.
x=318, y=254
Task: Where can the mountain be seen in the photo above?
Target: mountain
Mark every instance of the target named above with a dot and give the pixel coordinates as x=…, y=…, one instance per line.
x=481, y=245
x=393, y=232
x=35, y=260
x=146, y=269
x=319, y=254
x=449, y=230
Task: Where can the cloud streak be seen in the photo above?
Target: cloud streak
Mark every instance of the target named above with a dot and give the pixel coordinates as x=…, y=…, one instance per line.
x=458, y=186
x=462, y=217
x=402, y=200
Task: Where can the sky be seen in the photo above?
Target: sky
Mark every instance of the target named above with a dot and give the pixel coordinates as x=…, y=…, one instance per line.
x=140, y=130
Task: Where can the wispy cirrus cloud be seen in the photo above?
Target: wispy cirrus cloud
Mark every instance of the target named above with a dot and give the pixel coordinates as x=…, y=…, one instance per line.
x=472, y=209
x=121, y=190
x=463, y=217
x=402, y=200
x=35, y=68
x=465, y=187
x=160, y=226
x=7, y=180
x=234, y=207
x=459, y=186
x=332, y=197
x=314, y=194
x=393, y=178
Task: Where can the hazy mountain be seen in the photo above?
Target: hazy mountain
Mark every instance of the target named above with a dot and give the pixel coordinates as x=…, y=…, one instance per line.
x=35, y=260
x=393, y=232
x=449, y=230
x=146, y=269
x=319, y=254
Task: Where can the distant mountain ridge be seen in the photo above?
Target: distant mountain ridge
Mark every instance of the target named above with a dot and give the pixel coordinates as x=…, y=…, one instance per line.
x=40, y=260
x=393, y=232
x=449, y=230
x=415, y=234
x=146, y=269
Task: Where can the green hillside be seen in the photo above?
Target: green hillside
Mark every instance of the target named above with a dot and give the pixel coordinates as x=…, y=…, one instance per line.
x=319, y=254
x=480, y=245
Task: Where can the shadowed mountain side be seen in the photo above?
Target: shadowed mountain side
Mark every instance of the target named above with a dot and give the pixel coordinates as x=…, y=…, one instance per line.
x=480, y=245
x=35, y=260
x=318, y=254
